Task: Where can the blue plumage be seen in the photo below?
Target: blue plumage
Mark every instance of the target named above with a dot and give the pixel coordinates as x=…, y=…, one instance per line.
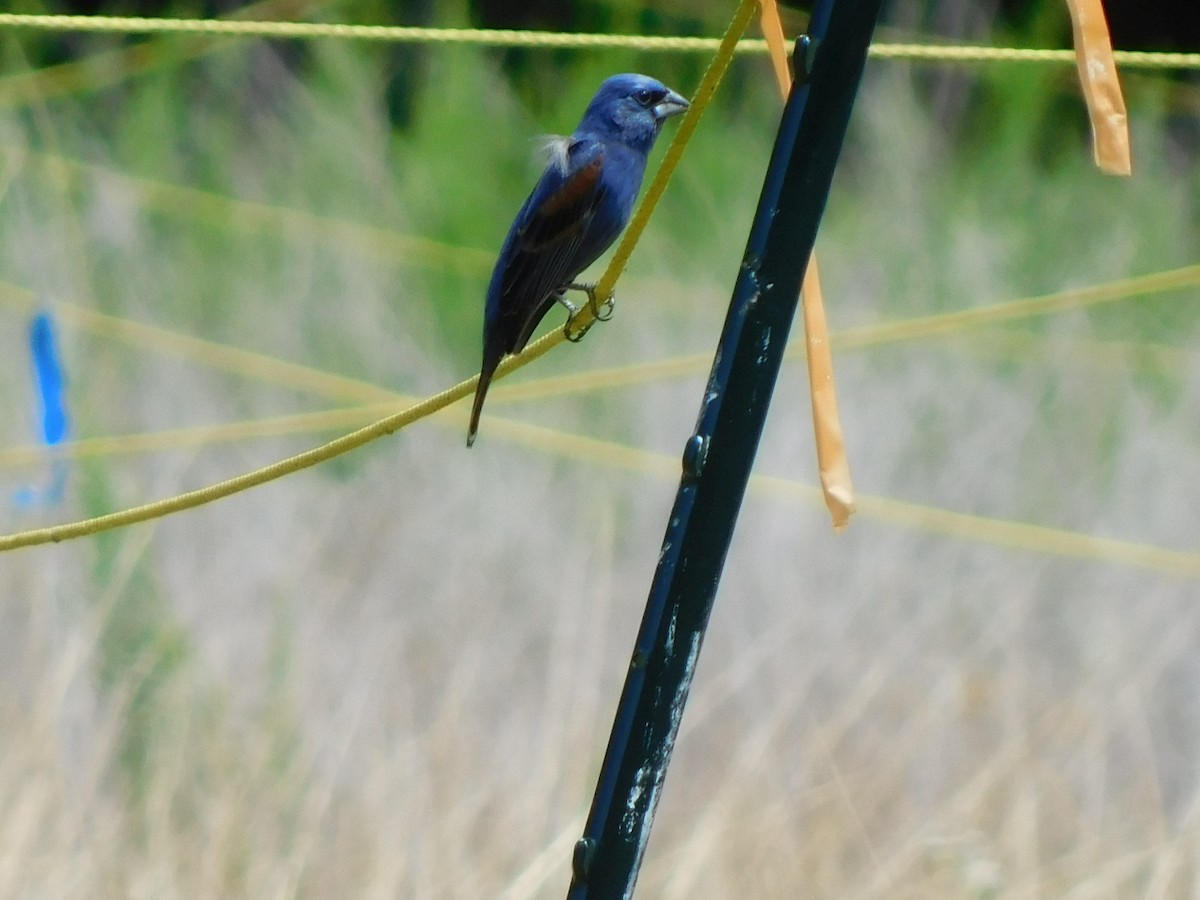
x=577, y=209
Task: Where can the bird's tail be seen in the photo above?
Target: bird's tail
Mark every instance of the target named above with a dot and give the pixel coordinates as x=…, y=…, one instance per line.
x=491, y=359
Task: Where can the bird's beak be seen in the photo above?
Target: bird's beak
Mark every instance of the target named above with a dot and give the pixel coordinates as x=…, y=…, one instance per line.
x=669, y=105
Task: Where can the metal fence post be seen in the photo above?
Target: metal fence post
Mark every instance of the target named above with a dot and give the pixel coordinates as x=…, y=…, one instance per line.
x=718, y=457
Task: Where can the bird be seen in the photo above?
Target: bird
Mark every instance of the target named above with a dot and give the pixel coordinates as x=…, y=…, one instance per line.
x=578, y=207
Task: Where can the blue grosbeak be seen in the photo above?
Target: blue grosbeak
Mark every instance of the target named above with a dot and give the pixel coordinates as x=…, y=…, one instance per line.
x=579, y=206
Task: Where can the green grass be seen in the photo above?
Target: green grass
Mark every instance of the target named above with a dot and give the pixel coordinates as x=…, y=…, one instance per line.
x=394, y=676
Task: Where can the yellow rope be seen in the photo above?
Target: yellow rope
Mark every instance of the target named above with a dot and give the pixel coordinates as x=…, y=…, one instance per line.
x=482, y=37
x=1006, y=347
x=944, y=323
x=1021, y=536
x=966, y=53
x=683, y=134
x=385, y=426
x=99, y=70
x=1003, y=533
x=641, y=217
x=215, y=355
x=999, y=532
x=219, y=210
x=405, y=34
x=1015, y=535
x=870, y=335
x=192, y=499
x=726, y=49
x=196, y=436
x=380, y=400
x=286, y=374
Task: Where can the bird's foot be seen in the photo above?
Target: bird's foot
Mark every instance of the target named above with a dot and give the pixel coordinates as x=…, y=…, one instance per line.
x=601, y=312
x=570, y=331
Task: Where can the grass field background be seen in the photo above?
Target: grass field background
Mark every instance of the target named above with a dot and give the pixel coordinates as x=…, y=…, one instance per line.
x=394, y=675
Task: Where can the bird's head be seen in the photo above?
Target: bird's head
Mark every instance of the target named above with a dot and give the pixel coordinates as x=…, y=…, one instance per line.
x=632, y=108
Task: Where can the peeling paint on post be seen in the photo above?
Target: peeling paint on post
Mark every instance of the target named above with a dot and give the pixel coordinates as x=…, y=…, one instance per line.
x=718, y=457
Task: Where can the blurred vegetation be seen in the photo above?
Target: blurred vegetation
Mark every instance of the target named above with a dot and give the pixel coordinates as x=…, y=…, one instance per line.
x=957, y=188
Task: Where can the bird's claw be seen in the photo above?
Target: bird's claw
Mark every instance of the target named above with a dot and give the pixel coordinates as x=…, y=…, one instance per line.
x=574, y=336
x=601, y=311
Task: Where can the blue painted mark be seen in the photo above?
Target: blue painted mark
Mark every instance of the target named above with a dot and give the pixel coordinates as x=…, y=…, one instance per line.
x=47, y=366
x=50, y=389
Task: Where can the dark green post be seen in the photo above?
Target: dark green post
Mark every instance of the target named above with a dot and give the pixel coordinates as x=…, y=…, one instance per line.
x=718, y=457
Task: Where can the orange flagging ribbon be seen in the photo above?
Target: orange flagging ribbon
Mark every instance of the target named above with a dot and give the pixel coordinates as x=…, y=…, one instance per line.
x=832, y=466
x=1101, y=89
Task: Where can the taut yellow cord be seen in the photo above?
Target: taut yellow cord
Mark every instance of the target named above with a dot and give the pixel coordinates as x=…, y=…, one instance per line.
x=385, y=426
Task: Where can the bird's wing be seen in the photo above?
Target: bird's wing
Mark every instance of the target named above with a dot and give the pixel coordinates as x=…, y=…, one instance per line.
x=545, y=252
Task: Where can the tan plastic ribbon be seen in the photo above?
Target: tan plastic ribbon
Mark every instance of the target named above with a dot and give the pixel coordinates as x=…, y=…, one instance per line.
x=832, y=465
x=1101, y=89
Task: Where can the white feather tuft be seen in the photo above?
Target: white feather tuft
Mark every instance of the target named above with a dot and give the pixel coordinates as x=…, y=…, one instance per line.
x=554, y=149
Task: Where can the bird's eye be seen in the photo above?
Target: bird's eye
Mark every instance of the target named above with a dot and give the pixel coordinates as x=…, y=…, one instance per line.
x=645, y=97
